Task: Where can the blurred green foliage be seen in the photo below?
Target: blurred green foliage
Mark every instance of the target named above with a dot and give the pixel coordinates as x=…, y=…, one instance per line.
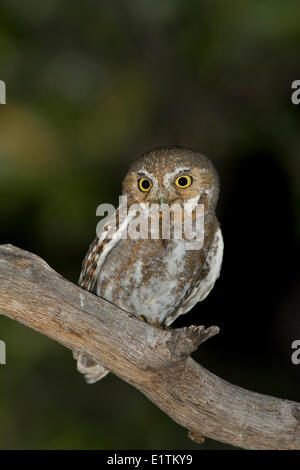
x=90, y=86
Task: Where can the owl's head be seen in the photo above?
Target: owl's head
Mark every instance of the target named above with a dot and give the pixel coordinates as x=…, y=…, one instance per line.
x=172, y=175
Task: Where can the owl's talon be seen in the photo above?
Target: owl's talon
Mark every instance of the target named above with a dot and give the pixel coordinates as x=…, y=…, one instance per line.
x=142, y=318
x=156, y=324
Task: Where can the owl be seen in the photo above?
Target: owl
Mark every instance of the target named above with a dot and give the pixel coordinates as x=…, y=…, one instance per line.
x=157, y=279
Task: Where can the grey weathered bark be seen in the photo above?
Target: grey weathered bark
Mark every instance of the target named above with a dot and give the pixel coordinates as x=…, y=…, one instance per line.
x=154, y=361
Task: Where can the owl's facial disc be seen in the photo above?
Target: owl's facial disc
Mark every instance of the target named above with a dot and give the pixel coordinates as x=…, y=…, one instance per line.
x=172, y=175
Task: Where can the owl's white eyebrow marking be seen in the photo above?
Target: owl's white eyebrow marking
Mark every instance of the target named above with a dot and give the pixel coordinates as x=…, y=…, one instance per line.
x=144, y=172
x=171, y=175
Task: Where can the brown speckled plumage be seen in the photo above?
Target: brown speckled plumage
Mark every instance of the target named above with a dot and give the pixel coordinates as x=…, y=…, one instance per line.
x=150, y=279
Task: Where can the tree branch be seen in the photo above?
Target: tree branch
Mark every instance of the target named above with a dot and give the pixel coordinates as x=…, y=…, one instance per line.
x=154, y=361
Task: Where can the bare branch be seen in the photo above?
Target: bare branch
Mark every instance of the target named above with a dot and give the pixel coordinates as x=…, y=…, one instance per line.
x=154, y=361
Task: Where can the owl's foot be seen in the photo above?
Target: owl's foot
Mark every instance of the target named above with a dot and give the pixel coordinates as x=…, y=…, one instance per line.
x=142, y=318
x=156, y=324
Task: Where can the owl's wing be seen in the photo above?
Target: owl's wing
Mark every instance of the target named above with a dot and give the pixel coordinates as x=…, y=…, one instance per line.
x=212, y=265
x=101, y=246
x=94, y=258
x=91, y=266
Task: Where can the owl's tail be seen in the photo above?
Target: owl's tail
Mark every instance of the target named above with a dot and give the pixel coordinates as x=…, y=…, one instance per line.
x=91, y=370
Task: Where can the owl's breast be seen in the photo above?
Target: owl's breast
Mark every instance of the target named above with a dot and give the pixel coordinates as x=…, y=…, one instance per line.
x=145, y=278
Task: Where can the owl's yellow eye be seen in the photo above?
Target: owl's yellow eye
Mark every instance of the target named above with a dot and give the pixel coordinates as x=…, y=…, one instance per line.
x=144, y=185
x=183, y=181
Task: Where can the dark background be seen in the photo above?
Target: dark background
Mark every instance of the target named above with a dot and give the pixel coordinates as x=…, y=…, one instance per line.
x=92, y=85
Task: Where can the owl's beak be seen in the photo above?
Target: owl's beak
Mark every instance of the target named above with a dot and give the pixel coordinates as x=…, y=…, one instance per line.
x=163, y=197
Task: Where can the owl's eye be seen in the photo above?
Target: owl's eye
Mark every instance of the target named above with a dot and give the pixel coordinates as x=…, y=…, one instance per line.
x=144, y=185
x=183, y=181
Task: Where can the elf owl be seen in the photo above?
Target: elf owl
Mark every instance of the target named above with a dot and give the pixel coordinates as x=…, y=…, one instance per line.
x=157, y=279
